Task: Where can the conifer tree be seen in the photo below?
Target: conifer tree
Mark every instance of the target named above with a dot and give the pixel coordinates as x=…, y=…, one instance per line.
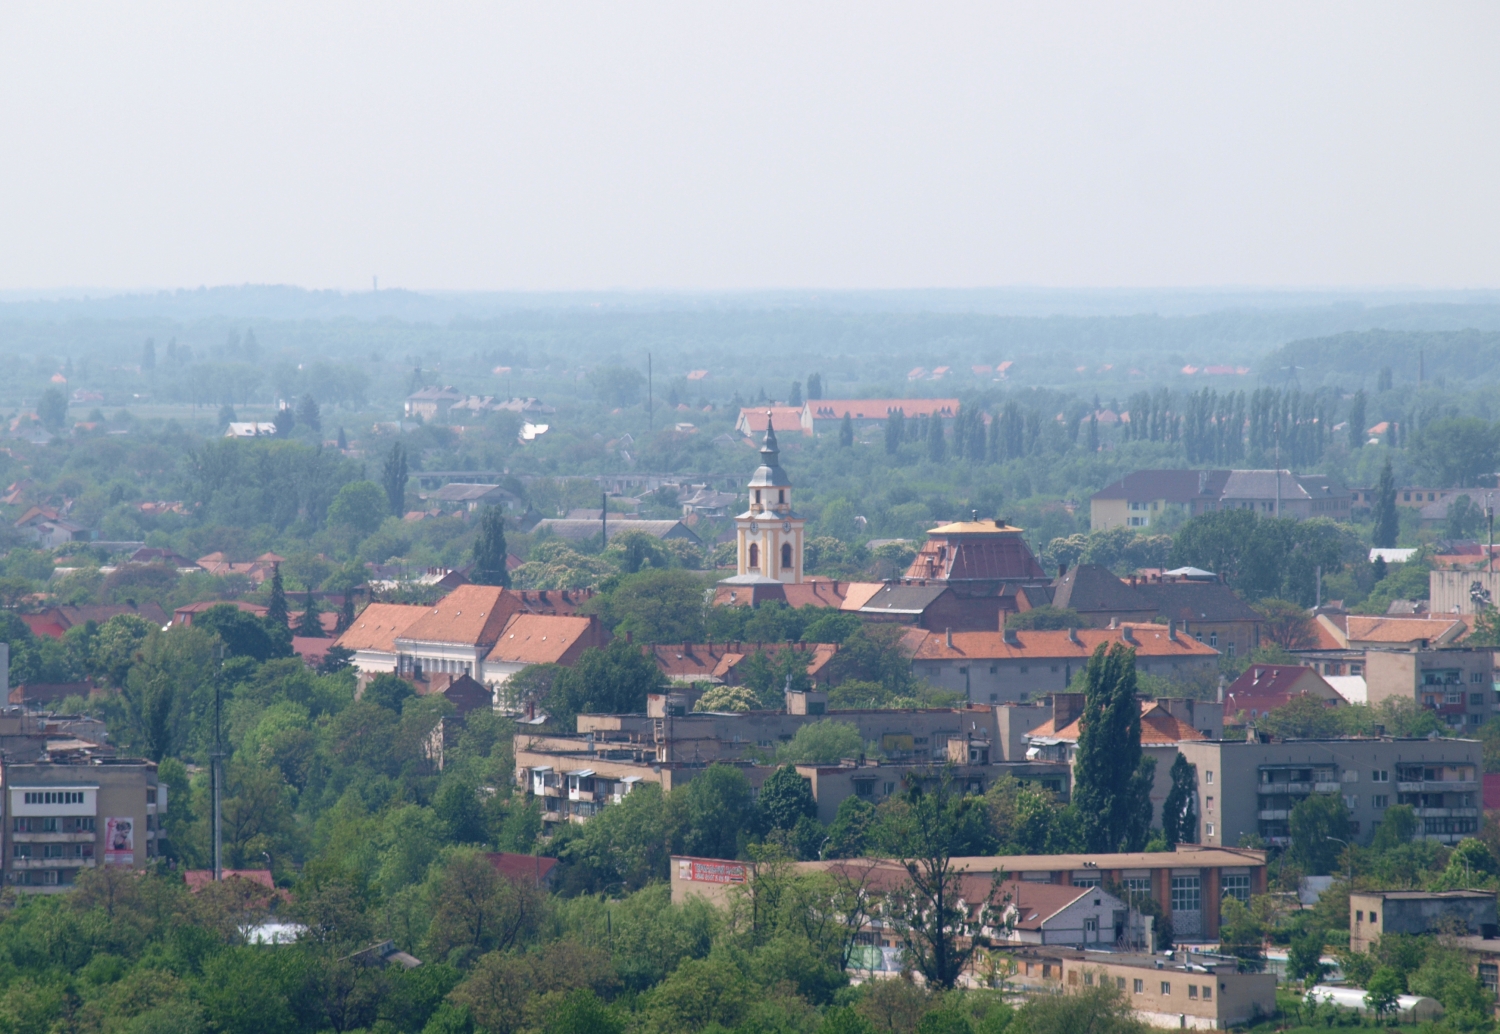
x=346, y=612
x=490, y=551
x=795, y=398
x=1093, y=432
x=343, y=441
x=1179, y=812
x=276, y=611
x=308, y=626
x=846, y=432
x=814, y=386
x=1357, y=420
x=393, y=478
x=1387, y=524
x=895, y=432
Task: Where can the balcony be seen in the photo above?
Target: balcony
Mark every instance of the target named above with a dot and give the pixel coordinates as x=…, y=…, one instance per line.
x=1273, y=815
x=51, y=863
x=1446, y=813
x=1302, y=788
x=1326, y=787
x=585, y=795
x=1437, y=787
x=85, y=837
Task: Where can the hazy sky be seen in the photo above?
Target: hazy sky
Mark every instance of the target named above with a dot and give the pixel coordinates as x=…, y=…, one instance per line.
x=747, y=145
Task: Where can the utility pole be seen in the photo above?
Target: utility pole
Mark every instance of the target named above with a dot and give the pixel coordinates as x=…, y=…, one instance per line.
x=650, y=403
x=603, y=520
x=217, y=776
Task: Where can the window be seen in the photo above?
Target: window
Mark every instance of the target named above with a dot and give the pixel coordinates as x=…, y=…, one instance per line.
x=1208, y=777
x=1359, y=916
x=1120, y=983
x=1477, y=676
x=994, y=669
x=1489, y=976
x=1380, y=800
x=1186, y=894
x=757, y=495
x=1476, y=698
x=1208, y=829
x=1091, y=925
x=1024, y=669
x=781, y=495
x=1208, y=992
x=55, y=797
x=1088, y=979
x=786, y=556
x=1213, y=639
x=150, y=796
x=754, y=552
x=1373, y=917
x=1237, y=887
x=1229, y=648
x=1140, y=987
x=1192, y=990
x=1380, y=776
x=1166, y=988
x=1209, y=805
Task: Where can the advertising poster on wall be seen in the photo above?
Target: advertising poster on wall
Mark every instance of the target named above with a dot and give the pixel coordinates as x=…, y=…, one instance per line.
x=119, y=841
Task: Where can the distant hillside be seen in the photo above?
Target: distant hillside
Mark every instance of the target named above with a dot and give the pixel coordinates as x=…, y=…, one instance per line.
x=1355, y=358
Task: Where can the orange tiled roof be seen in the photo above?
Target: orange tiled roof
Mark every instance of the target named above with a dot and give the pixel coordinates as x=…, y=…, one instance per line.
x=1157, y=726
x=1150, y=641
x=542, y=639
x=378, y=625
x=470, y=614
x=1380, y=629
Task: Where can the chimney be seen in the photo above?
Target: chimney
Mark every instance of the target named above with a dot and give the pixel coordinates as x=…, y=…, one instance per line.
x=1172, y=629
x=1011, y=639
x=1062, y=570
x=1128, y=634
x=1114, y=622
x=948, y=633
x=1073, y=637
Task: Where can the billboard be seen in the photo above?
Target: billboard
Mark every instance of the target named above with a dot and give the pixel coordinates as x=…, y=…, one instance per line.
x=710, y=872
x=119, y=841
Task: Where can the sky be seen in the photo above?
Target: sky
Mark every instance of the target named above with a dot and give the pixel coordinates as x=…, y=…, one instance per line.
x=739, y=146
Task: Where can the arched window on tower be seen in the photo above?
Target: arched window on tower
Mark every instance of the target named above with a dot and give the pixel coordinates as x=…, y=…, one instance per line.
x=754, y=555
x=786, y=556
x=757, y=495
x=781, y=496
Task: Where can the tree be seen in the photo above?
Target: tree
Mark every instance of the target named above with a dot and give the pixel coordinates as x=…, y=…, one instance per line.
x=786, y=797
x=795, y=398
x=343, y=440
x=1304, y=958
x=52, y=409
x=613, y=680
x=814, y=386
x=148, y=355
x=360, y=506
x=1241, y=933
x=617, y=386
x=1457, y=450
x=937, y=448
x=1465, y=518
x=159, y=692
x=1044, y=618
x=846, y=432
x=1357, y=430
x=393, y=478
x=1397, y=826
x=276, y=611
x=926, y=827
x=308, y=625
x=895, y=432
x=656, y=606
x=476, y=910
x=308, y=413
x=822, y=743
x=1103, y=1009
x=490, y=551
x=1387, y=523
x=244, y=634
x=1109, y=751
x=1313, y=821
x=1385, y=987
x=285, y=420
x=1286, y=624
x=850, y=831
x=1179, y=812
x=711, y=813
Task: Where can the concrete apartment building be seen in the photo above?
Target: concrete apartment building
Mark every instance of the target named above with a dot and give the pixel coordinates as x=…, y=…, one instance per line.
x=1457, y=682
x=1020, y=666
x=1198, y=992
x=61, y=818
x=1188, y=883
x=1455, y=912
x=1250, y=788
x=1143, y=497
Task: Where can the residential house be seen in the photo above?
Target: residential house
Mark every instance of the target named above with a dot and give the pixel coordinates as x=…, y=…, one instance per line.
x=48, y=529
x=1249, y=788
x=185, y=614
x=1264, y=687
x=1018, y=666
x=579, y=531
x=153, y=555
x=432, y=403
x=250, y=429
x=935, y=606
x=257, y=570
x=471, y=497
x=823, y=416
x=1097, y=594
x=754, y=420
x=456, y=634
x=539, y=639
x=1143, y=497
x=719, y=663
x=54, y=622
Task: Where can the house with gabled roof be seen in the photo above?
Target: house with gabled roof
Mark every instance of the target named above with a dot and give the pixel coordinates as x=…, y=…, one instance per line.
x=1143, y=497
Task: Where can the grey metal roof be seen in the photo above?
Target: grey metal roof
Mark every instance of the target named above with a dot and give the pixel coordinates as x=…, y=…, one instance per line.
x=903, y=599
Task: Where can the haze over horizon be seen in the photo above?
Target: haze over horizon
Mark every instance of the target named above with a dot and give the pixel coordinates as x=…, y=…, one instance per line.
x=716, y=148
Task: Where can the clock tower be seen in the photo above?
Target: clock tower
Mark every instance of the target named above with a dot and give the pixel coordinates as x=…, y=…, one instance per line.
x=770, y=533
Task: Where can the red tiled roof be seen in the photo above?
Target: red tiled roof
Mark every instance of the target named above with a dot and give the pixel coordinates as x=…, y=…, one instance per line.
x=197, y=879
x=378, y=625
x=1150, y=641
x=1382, y=629
x=522, y=866
x=470, y=614
x=544, y=639
x=1157, y=726
x=879, y=409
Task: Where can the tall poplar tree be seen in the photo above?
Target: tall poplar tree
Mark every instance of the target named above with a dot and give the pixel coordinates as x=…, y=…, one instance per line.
x=937, y=448
x=490, y=551
x=1109, y=771
x=846, y=432
x=394, y=477
x=1357, y=420
x=1387, y=524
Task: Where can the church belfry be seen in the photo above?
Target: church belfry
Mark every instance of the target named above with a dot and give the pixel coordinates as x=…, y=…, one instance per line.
x=769, y=533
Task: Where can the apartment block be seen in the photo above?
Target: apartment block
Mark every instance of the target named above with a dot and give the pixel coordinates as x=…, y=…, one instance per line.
x=1250, y=788
x=1455, y=912
x=1456, y=682
x=62, y=818
x=1197, y=991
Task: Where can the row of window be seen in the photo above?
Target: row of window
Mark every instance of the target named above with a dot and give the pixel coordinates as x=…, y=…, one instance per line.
x=52, y=850
x=54, y=797
x=1194, y=991
x=55, y=824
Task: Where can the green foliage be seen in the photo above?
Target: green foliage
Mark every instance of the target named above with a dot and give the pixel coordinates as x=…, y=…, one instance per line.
x=244, y=634
x=822, y=742
x=1263, y=557
x=1387, y=522
x=1317, y=818
x=359, y=506
x=1456, y=450
x=712, y=813
x=1109, y=755
x=655, y=606
x=786, y=797
x=1397, y=827
x=1179, y=812
x=490, y=553
x=613, y=680
x=393, y=478
x=1045, y=618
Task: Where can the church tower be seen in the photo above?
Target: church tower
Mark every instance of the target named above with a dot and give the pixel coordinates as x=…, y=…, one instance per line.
x=769, y=533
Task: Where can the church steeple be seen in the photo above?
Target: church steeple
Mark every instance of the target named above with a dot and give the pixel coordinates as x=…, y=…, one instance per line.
x=769, y=532
x=770, y=488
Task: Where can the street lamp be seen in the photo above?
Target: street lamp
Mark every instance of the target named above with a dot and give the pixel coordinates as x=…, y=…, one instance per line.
x=1350, y=851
